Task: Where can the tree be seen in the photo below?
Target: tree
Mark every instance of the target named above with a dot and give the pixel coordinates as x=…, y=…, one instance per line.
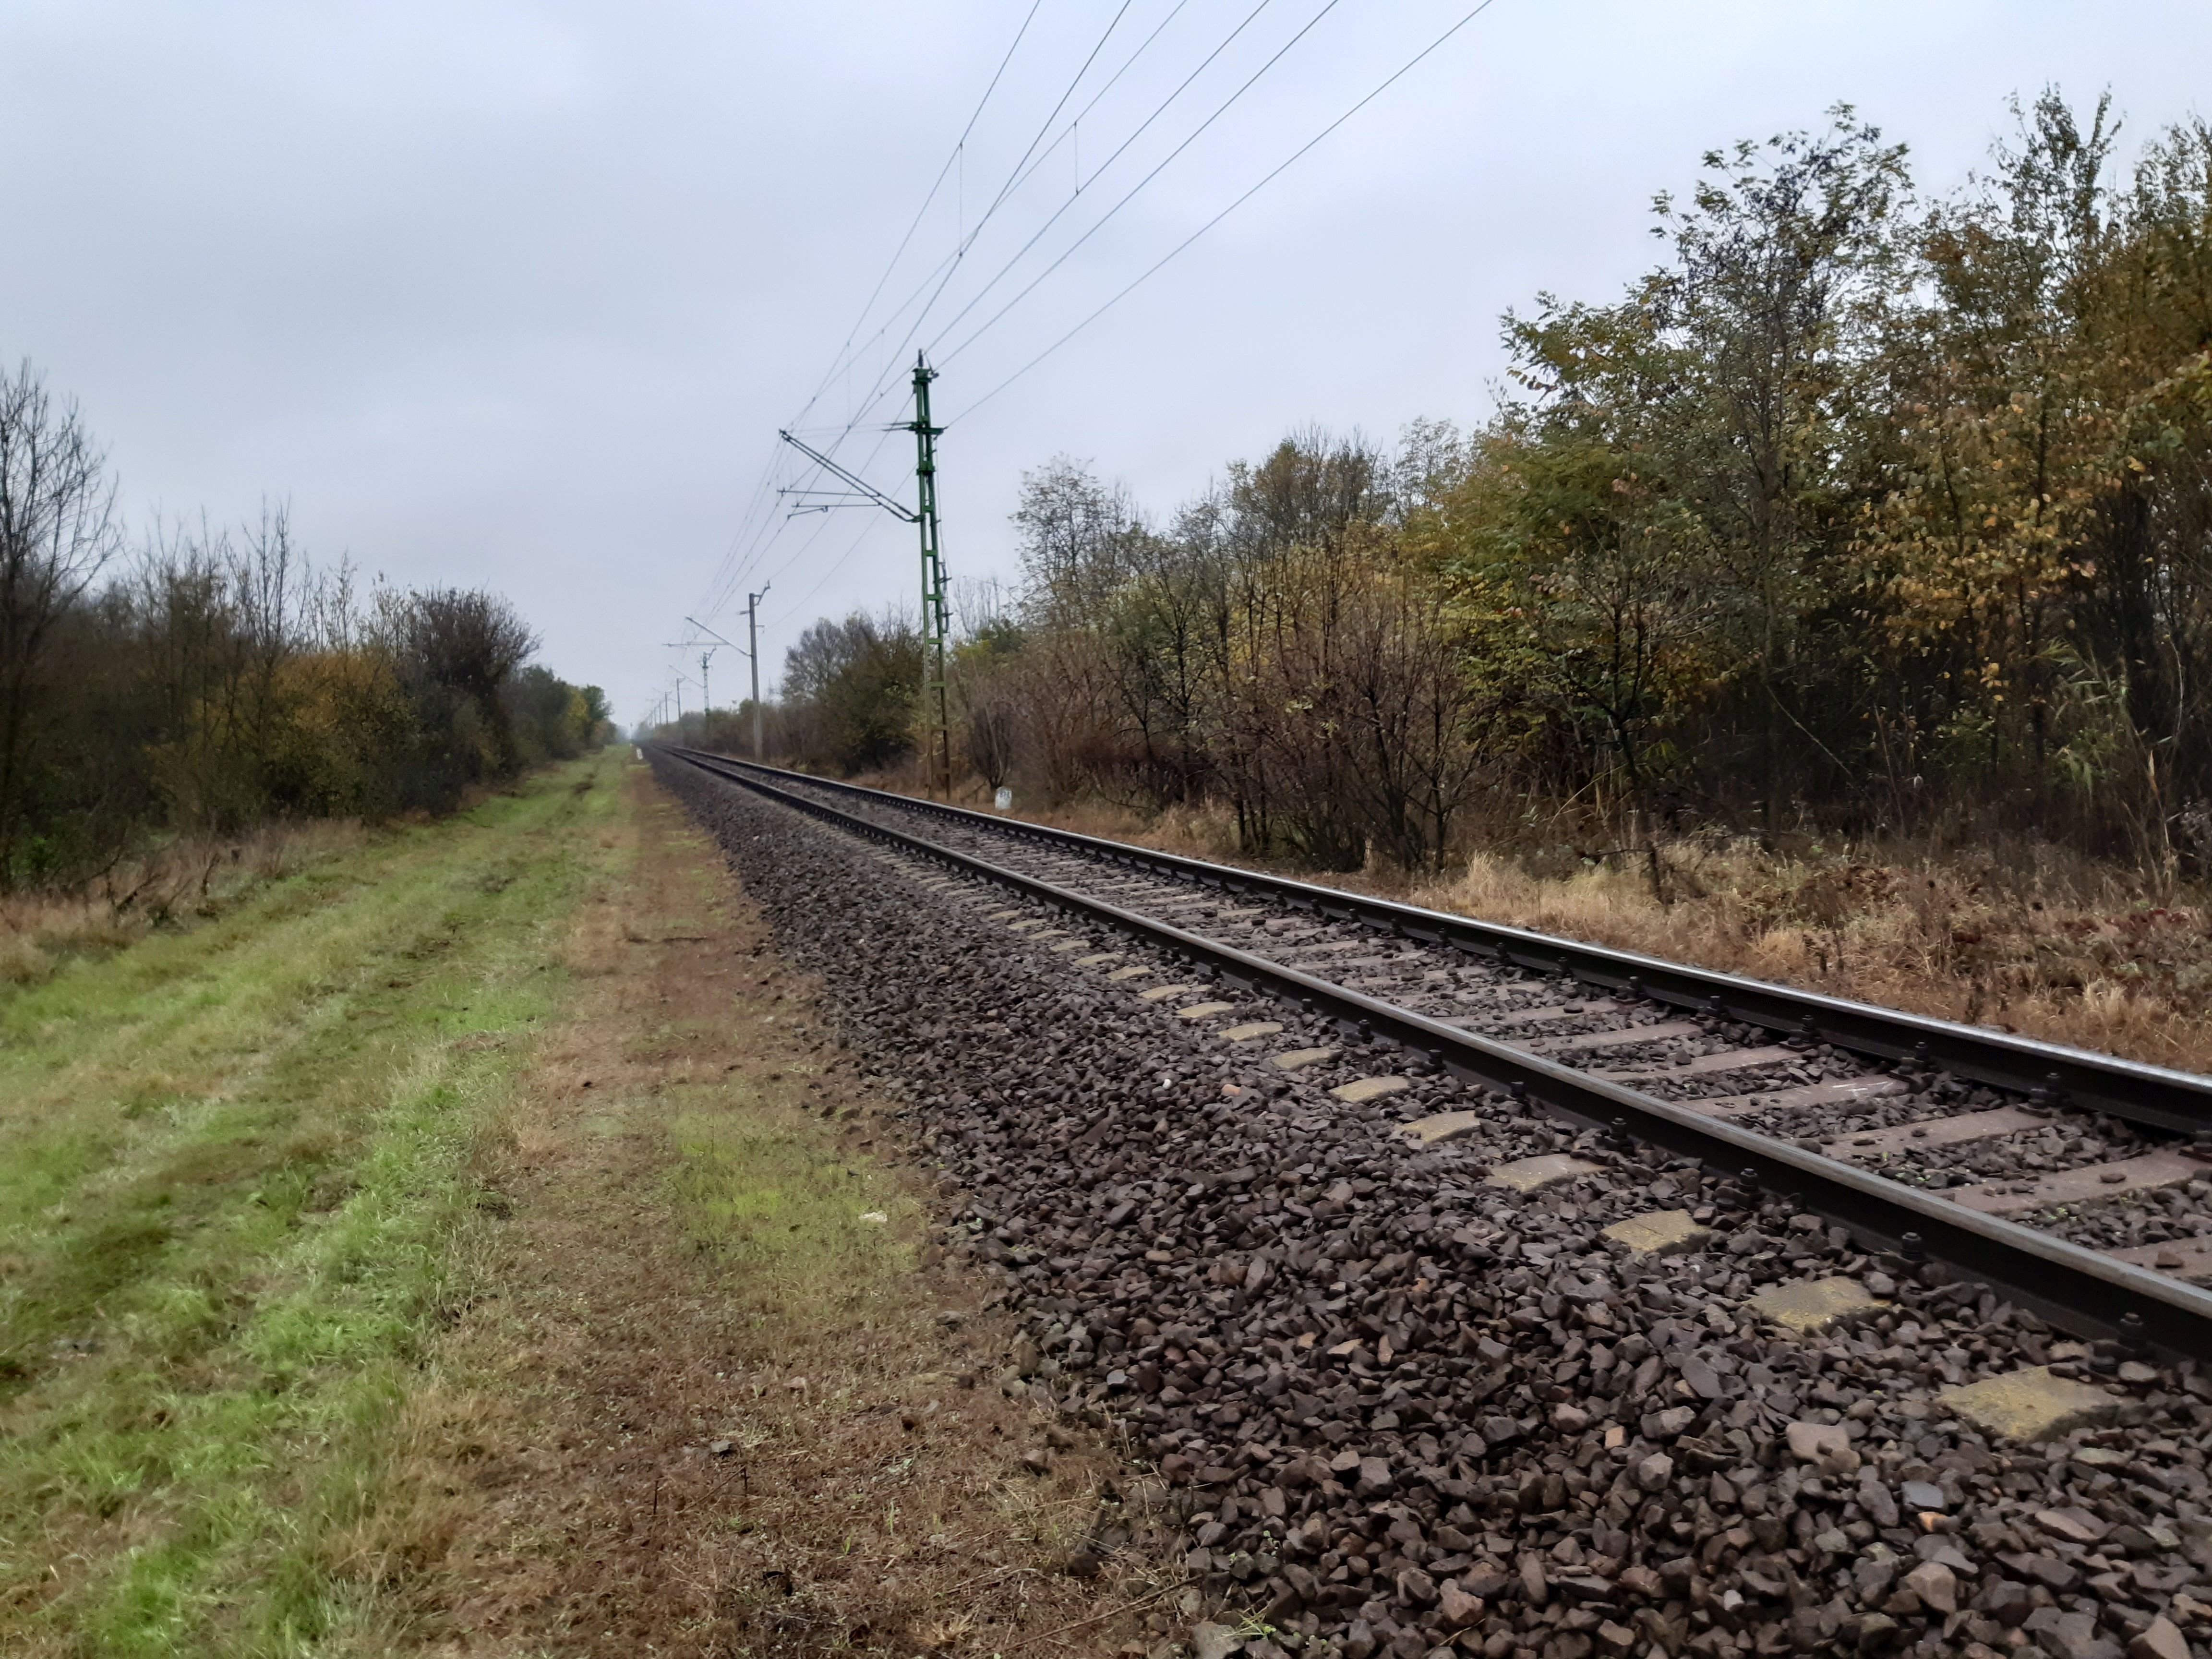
x=57, y=530
x=858, y=682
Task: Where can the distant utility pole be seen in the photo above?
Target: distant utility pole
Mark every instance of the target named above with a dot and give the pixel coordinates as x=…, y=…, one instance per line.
x=707, y=701
x=934, y=702
x=751, y=651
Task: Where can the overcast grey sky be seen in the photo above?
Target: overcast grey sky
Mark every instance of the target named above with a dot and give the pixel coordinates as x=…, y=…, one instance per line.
x=517, y=295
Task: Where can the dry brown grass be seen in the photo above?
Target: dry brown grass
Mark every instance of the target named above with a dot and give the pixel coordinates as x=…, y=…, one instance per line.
x=2018, y=935
x=185, y=880
x=2021, y=939
x=715, y=1405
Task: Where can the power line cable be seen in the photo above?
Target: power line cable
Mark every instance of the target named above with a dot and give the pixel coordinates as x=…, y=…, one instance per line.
x=799, y=604
x=1100, y=224
x=922, y=212
x=725, y=581
x=1271, y=176
x=1076, y=123
x=1015, y=177
x=1143, y=127
x=886, y=380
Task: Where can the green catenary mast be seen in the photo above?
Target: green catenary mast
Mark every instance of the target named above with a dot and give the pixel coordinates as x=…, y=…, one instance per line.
x=935, y=709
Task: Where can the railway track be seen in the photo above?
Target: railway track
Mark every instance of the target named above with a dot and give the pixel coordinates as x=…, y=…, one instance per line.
x=1431, y=1345
x=2077, y=1184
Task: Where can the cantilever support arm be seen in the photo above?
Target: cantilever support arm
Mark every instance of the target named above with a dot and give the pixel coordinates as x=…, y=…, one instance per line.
x=858, y=483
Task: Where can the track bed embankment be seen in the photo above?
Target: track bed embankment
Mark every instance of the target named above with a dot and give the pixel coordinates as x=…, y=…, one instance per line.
x=1518, y=1392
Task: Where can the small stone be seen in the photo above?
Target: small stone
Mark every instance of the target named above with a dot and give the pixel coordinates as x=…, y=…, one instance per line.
x=1875, y=1630
x=1659, y=1232
x=1417, y=1587
x=2160, y=1640
x=2070, y=1635
x=2076, y=1526
x=1211, y=1641
x=1811, y=1442
x=1872, y=1577
x=1037, y=1460
x=1487, y=1580
x=1569, y=1419
x=1641, y=1581
x=1924, y=1495
x=1533, y=1584
x=2029, y=1405
x=1614, y=1639
x=719, y=1448
x=2008, y=1603
x=1374, y=1478
x=1362, y=1089
x=1457, y=1607
x=1936, y=1547
x=2057, y=1576
x=1653, y=1473
x=1530, y=1175
x=1808, y=1306
x=1936, y=1585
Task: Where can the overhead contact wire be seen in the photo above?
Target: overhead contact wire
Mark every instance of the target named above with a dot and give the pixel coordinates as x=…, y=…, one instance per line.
x=1104, y=219
x=1403, y=71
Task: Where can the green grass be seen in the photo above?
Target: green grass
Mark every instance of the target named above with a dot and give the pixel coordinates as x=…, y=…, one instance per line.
x=237, y=1201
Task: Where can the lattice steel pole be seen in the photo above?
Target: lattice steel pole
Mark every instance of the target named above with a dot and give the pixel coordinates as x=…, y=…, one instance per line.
x=936, y=706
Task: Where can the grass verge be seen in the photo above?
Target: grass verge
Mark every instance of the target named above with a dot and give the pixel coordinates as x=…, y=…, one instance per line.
x=242, y=1191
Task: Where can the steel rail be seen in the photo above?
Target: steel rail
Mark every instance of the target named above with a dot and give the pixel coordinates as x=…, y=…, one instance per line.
x=2075, y=1289
x=2154, y=1096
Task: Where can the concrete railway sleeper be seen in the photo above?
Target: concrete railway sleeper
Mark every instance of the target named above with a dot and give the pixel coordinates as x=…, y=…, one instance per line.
x=1522, y=1388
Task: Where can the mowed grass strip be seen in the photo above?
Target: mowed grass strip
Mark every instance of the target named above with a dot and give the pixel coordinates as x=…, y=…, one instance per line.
x=240, y=1190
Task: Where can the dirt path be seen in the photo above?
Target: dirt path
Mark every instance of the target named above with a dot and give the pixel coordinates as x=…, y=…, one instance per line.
x=711, y=1403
